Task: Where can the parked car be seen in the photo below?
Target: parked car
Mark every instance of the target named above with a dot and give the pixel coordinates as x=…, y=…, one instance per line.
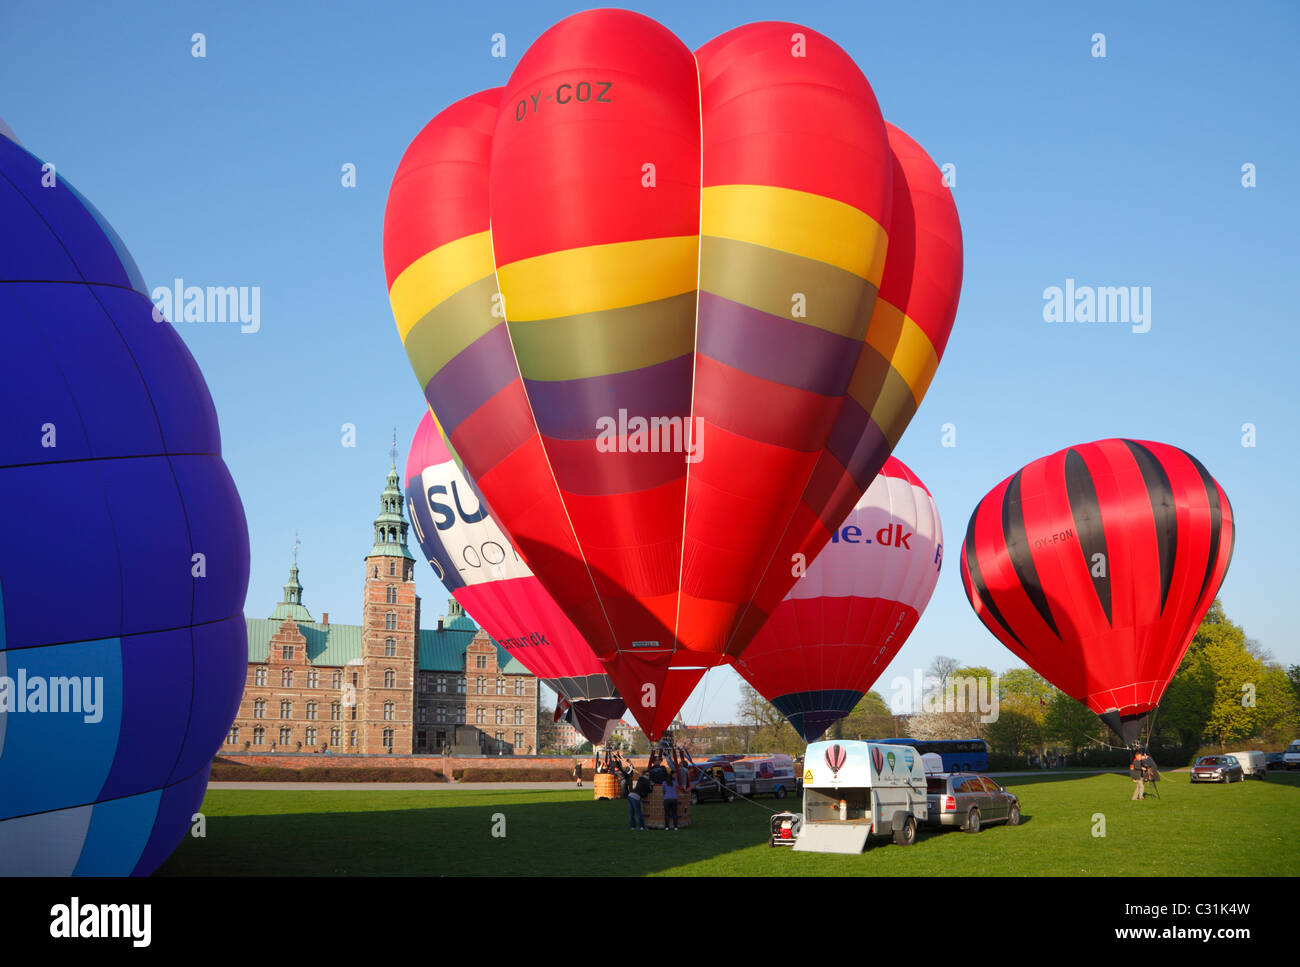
x=712, y=780
x=1291, y=757
x=1252, y=763
x=969, y=801
x=770, y=775
x=1218, y=768
x=1275, y=760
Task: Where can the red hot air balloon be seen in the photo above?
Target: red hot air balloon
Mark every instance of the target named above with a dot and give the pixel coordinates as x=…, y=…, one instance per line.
x=635, y=285
x=847, y=617
x=1095, y=565
x=476, y=563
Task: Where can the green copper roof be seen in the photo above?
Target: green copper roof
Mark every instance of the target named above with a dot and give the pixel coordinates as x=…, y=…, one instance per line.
x=295, y=611
x=334, y=645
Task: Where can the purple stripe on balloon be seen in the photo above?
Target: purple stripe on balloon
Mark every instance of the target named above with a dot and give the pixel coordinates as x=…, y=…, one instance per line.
x=472, y=377
x=569, y=409
x=858, y=443
x=774, y=348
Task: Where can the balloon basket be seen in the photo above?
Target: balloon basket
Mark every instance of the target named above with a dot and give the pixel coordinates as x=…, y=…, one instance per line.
x=654, y=809
x=607, y=785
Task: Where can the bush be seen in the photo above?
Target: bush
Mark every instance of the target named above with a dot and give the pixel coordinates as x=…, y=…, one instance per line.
x=514, y=775
x=224, y=771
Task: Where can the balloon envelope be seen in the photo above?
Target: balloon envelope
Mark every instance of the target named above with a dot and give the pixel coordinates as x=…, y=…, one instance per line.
x=637, y=287
x=476, y=562
x=846, y=618
x=1095, y=565
x=123, y=550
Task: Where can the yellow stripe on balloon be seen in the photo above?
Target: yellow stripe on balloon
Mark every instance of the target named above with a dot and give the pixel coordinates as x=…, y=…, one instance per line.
x=797, y=222
x=595, y=278
x=905, y=345
x=438, y=275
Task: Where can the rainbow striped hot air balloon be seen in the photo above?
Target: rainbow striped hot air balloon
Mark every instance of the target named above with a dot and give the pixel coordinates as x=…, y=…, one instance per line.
x=637, y=288
x=476, y=563
x=844, y=621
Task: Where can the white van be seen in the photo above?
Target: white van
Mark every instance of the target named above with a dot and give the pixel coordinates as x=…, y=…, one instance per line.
x=767, y=775
x=1253, y=763
x=853, y=790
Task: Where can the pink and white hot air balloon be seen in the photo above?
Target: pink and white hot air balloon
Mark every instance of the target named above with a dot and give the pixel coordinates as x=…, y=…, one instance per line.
x=830, y=638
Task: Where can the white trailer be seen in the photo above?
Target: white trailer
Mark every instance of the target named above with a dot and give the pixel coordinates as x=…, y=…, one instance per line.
x=853, y=790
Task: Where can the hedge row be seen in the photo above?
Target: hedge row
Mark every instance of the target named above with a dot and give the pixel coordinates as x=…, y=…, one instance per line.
x=226, y=772
x=513, y=775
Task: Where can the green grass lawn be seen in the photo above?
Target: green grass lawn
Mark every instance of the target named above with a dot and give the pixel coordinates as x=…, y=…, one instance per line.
x=1246, y=829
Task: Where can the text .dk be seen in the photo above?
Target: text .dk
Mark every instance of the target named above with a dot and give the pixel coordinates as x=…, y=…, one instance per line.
x=891, y=535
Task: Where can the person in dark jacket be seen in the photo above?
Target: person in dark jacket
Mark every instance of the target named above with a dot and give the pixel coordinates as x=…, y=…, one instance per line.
x=635, y=801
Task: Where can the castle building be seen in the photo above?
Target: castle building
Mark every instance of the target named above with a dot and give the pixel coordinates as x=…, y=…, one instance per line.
x=386, y=686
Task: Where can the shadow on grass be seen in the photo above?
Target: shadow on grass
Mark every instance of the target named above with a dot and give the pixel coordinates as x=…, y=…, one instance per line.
x=551, y=835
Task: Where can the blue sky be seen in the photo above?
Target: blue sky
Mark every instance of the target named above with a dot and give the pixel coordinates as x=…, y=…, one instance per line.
x=1125, y=170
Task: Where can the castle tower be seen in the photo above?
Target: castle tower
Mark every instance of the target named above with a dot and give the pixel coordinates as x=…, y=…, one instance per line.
x=390, y=623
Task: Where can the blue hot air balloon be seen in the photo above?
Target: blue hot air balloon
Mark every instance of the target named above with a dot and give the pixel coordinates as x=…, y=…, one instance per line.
x=123, y=550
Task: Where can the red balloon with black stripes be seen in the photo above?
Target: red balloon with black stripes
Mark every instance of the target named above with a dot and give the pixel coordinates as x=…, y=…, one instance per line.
x=1095, y=565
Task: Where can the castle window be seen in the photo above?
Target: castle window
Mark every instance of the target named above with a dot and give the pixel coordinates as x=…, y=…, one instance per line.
x=388, y=711
x=519, y=716
x=519, y=740
x=390, y=649
x=259, y=677
x=388, y=739
x=460, y=685
x=501, y=686
x=392, y=567
x=480, y=686
x=286, y=709
x=478, y=715
x=233, y=737
x=311, y=711
x=313, y=679
x=480, y=661
x=286, y=736
x=422, y=739
x=336, y=712
x=336, y=680
x=441, y=714
x=259, y=735
x=354, y=679
x=519, y=686
x=390, y=595
x=460, y=715
x=390, y=678
x=352, y=738
x=286, y=678
x=286, y=652
x=390, y=621
x=424, y=714
x=354, y=713
x=501, y=716
x=442, y=683
x=311, y=736
x=259, y=709
x=335, y=735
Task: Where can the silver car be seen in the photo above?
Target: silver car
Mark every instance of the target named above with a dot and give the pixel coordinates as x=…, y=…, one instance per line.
x=969, y=801
x=1218, y=768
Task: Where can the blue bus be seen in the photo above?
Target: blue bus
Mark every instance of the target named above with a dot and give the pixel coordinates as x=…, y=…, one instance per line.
x=958, y=755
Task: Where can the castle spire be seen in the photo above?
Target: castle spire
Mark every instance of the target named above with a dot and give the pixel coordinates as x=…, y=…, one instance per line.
x=390, y=525
x=291, y=605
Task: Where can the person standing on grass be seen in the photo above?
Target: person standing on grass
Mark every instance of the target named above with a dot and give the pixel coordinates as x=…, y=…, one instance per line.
x=635, y=808
x=577, y=772
x=670, y=802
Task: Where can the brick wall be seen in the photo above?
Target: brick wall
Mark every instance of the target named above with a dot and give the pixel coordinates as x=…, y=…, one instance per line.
x=298, y=761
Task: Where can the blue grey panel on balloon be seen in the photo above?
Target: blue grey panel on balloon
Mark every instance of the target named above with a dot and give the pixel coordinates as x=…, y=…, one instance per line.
x=119, y=832
x=218, y=531
x=47, y=844
x=179, y=804
x=29, y=251
x=220, y=664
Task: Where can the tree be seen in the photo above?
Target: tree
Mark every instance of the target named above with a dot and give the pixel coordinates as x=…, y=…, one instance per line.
x=548, y=733
x=942, y=668
x=1278, y=708
x=766, y=729
x=1071, y=723
x=870, y=719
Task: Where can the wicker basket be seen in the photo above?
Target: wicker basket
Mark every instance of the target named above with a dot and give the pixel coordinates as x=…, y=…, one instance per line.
x=608, y=786
x=654, y=808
